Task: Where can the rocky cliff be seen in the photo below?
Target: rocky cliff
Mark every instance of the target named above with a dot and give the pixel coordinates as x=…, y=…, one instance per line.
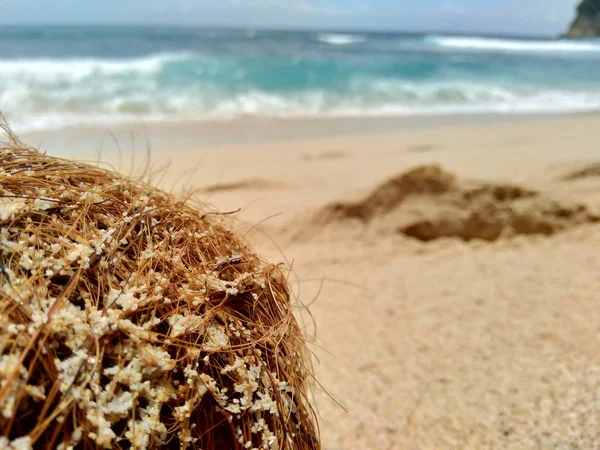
x=587, y=22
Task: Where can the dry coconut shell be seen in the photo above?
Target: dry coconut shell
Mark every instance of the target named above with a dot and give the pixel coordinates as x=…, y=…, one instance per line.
x=130, y=319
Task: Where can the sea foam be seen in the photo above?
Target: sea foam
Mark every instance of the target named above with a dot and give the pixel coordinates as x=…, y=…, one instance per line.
x=340, y=39
x=514, y=45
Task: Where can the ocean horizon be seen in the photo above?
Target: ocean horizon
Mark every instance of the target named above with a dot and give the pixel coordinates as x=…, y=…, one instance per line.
x=56, y=76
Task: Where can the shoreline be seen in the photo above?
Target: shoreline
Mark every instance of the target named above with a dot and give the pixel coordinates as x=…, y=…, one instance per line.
x=293, y=173
x=183, y=135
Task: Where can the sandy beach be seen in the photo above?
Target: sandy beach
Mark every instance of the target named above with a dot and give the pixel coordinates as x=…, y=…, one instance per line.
x=426, y=334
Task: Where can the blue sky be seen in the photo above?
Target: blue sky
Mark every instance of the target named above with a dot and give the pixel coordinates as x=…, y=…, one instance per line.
x=503, y=16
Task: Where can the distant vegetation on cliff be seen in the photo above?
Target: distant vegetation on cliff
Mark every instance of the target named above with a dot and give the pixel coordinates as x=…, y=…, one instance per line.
x=589, y=7
x=587, y=22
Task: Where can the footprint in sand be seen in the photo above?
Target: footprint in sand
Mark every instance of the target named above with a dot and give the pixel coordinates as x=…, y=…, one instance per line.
x=422, y=148
x=252, y=184
x=333, y=154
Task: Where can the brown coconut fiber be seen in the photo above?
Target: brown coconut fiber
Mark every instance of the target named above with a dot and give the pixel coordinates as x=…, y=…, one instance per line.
x=130, y=319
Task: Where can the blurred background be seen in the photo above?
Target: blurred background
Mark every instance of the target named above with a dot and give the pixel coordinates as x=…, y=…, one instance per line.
x=71, y=63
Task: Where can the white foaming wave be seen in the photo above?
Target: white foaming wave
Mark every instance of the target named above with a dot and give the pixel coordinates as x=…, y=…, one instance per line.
x=539, y=106
x=404, y=99
x=340, y=39
x=76, y=69
x=513, y=45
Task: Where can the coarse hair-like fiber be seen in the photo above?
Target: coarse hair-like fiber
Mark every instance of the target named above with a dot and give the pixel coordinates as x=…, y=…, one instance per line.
x=132, y=319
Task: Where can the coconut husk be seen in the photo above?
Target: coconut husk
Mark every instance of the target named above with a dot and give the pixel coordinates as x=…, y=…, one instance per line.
x=131, y=319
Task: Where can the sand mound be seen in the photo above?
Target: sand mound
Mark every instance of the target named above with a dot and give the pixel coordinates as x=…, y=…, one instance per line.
x=129, y=319
x=430, y=180
x=428, y=203
x=593, y=170
x=491, y=222
x=255, y=184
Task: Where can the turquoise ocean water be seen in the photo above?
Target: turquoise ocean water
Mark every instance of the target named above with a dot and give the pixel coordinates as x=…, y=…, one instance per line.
x=56, y=76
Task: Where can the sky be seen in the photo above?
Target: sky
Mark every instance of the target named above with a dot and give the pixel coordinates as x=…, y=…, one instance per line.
x=526, y=17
